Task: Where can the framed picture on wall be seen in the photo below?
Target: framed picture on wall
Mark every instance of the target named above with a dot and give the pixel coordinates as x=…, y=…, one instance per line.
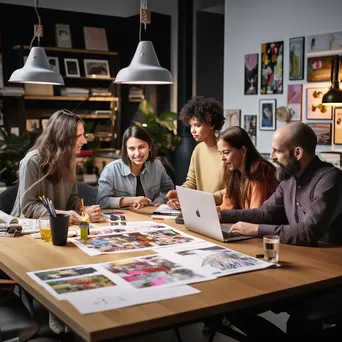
x=323, y=132
x=96, y=68
x=294, y=101
x=250, y=126
x=251, y=74
x=296, y=66
x=72, y=68
x=63, y=36
x=272, y=68
x=54, y=63
x=267, y=119
x=338, y=126
x=324, y=42
x=314, y=108
x=232, y=118
x=319, y=68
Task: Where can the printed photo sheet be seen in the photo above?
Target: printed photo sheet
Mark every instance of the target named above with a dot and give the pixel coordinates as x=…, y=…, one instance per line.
x=213, y=260
x=122, y=227
x=132, y=241
x=118, y=283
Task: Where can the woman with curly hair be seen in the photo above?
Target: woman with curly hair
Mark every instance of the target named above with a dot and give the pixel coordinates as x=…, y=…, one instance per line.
x=49, y=169
x=204, y=116
x=250, y=179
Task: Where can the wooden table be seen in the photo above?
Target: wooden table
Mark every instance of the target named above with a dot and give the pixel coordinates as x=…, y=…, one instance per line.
x=303, y=269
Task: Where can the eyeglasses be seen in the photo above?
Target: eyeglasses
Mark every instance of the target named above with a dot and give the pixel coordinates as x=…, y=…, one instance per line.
x=14, y=229
x=71, y=114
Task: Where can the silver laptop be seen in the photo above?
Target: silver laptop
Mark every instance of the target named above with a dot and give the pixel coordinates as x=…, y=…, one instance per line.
x=200, y=215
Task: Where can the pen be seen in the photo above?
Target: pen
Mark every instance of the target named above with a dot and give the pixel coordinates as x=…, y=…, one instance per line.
x=158, y=218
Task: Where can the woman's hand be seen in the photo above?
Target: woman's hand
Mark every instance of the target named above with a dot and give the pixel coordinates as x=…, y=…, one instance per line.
x=74, y=217
x=172, y=194
x=140, y=202
x=173, y=203
x=94, y=212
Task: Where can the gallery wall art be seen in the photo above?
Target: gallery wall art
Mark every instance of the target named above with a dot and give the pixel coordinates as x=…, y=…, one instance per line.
x=251, y=74
x=319, y=68
x=314, y=108
x=296, y=65
x=338, y=126
x=267, y=119
x=324, y=42
x=323, y=132
x=250, y=126
x=272, y=68
x=294, y=101
x=232, y=118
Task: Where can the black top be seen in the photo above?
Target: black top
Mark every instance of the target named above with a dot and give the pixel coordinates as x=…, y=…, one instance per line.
x=140, y=190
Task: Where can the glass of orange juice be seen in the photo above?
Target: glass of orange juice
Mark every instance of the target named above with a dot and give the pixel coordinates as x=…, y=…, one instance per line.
x=45, y=232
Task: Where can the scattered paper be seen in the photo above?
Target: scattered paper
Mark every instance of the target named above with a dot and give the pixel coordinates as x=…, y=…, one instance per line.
x=111, y=302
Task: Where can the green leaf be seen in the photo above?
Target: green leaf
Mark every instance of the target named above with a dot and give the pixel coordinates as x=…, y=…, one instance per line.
x=147, y=110
x=168, y=116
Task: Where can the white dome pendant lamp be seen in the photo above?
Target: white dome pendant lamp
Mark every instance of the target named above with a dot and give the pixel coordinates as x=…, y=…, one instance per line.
x=37, y=68
x=144, y=67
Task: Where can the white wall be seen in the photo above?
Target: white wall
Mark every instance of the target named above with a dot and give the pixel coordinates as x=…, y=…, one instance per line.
x=248, y=24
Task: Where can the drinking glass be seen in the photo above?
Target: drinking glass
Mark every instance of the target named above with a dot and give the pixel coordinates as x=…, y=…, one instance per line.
x=271, y=248
x=45, y=231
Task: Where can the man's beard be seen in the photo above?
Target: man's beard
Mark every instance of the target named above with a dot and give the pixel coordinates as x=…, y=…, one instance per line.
x=288, y=171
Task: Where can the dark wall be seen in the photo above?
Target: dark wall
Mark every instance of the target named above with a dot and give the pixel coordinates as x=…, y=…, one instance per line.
x=210, y=54
x=122, y=36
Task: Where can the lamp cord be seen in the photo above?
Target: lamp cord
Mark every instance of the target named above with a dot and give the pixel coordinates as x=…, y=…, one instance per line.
x=36, y=5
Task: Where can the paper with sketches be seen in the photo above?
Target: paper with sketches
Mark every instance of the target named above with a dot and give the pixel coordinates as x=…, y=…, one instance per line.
x=154, y=271
x=111, y=302
x=133, y=241
x=211, y=259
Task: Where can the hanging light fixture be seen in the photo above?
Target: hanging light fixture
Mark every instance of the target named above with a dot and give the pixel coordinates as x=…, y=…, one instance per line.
x=37, y=68
x=145, y=67
x=334, y=96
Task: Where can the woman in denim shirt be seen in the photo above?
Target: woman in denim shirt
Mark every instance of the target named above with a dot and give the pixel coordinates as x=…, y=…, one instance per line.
x=138, y=178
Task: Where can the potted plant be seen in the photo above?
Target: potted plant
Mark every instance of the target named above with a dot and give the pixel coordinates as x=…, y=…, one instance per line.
x=12, y=149
x=163, y=131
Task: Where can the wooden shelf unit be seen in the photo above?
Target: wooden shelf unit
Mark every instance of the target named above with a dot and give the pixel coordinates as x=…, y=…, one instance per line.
x=72, y=98
x=46, y=48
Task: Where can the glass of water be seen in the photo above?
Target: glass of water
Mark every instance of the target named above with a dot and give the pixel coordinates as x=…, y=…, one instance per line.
x=271, y=248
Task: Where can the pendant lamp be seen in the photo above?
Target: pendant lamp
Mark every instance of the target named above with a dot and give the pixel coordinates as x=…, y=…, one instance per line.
x=37, y=68
x=145, y=67
x=334, y=96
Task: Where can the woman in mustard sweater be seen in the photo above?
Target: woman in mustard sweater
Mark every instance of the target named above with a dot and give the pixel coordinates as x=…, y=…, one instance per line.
x=250, y=179
x=204, y=116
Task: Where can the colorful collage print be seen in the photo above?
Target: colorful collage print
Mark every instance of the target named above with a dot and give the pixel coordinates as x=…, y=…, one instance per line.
x=152, y=271
x=131, y=241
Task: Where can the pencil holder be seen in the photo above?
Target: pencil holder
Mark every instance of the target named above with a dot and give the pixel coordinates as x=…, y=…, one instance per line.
x=59, y=229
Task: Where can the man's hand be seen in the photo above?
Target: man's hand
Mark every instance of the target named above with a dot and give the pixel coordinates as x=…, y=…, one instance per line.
x=244, y=228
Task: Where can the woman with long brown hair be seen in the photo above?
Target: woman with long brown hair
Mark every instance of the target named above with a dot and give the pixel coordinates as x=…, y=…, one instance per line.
x=49, y=169
x=250, y=179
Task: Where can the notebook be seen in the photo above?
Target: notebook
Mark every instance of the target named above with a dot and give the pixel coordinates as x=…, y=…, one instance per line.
x=200, y=215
